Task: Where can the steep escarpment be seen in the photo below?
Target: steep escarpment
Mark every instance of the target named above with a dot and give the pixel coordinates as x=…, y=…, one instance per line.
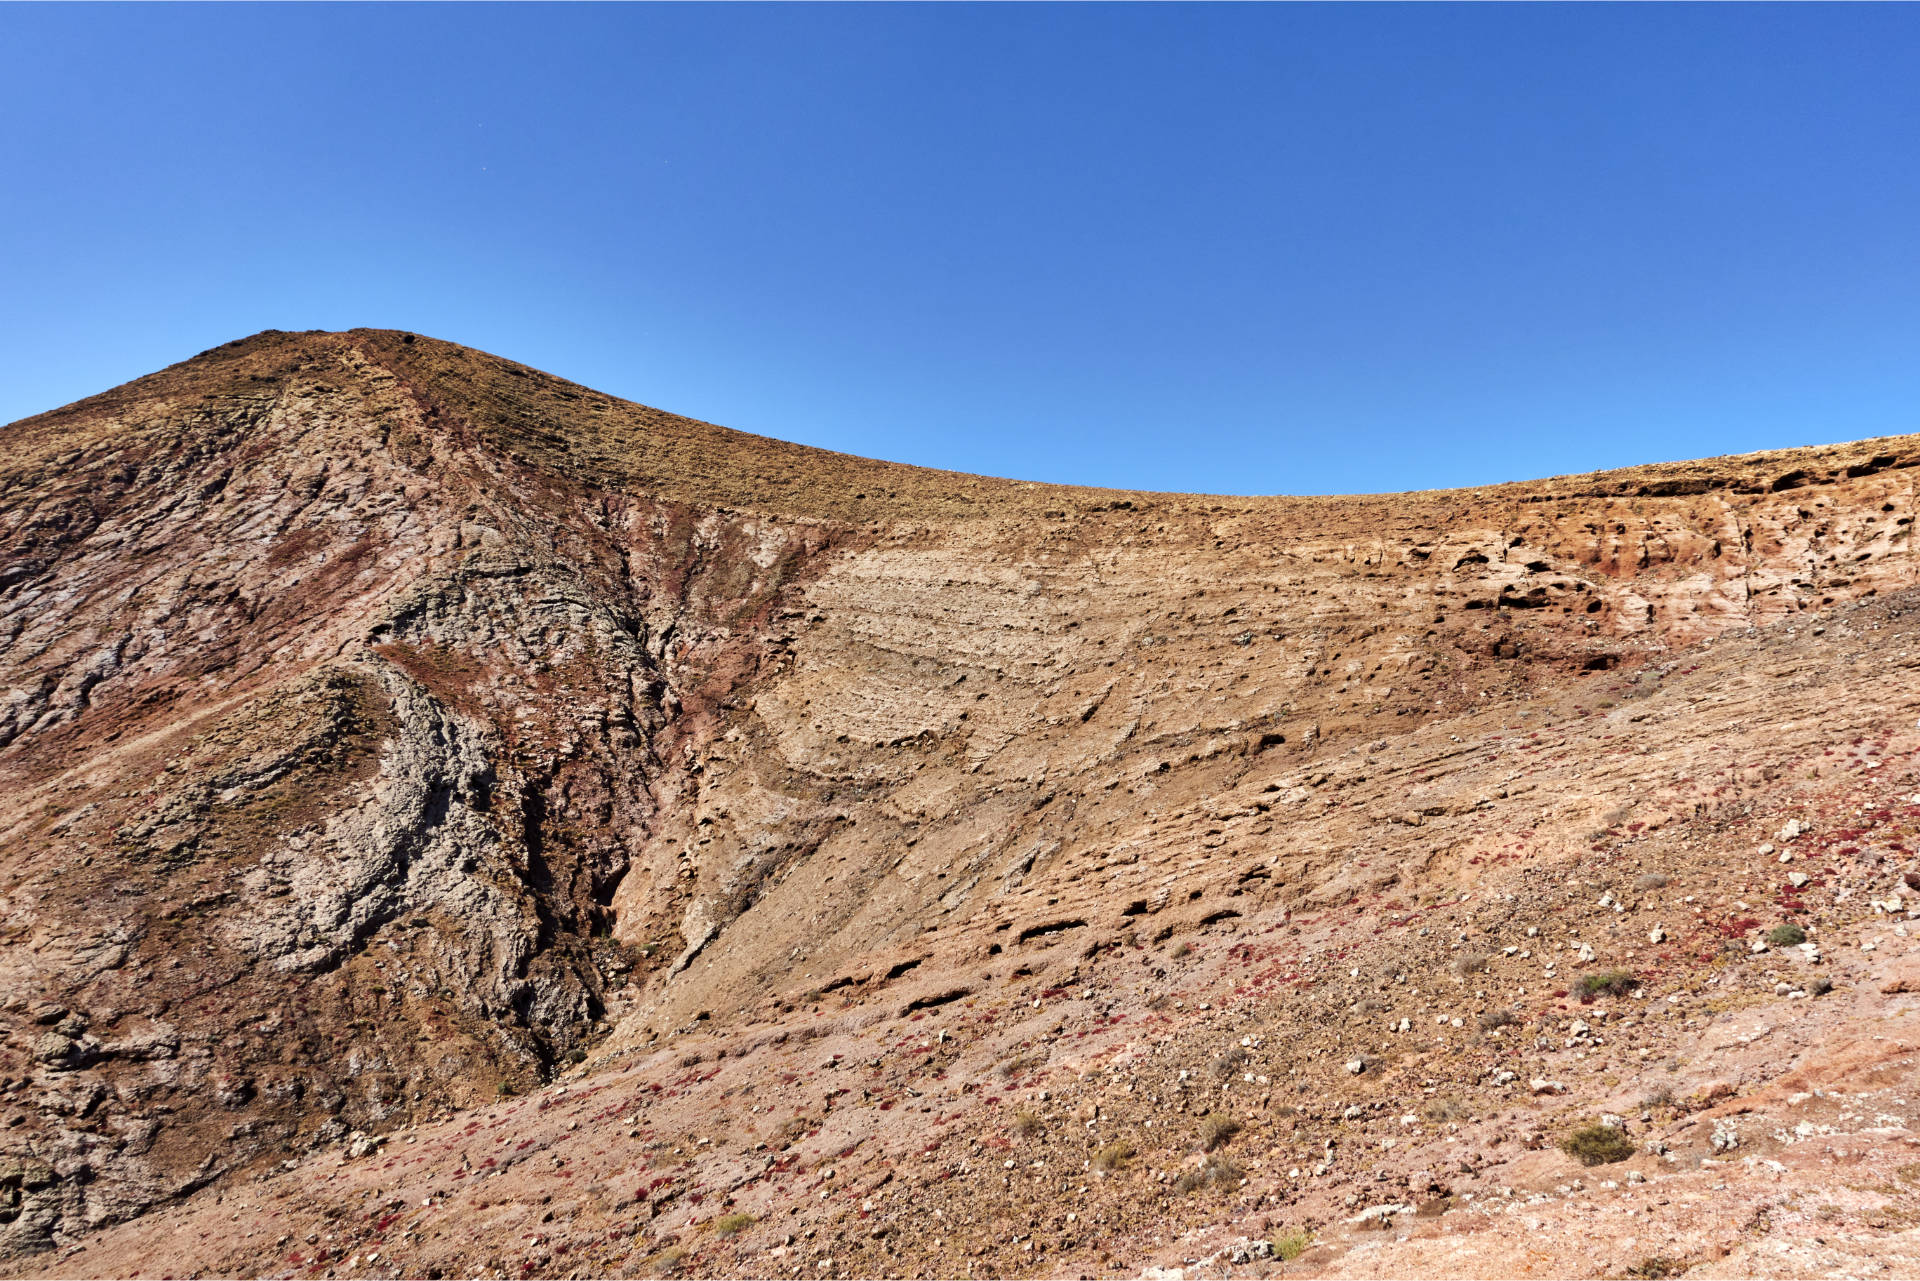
x=388, y=730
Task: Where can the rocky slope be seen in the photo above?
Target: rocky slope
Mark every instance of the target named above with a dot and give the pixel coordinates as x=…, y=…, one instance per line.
x=452, y=822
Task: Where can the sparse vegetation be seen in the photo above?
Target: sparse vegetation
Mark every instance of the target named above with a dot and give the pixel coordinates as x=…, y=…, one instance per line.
x=1217, y=1131
x=1655, y=1267
x=667, y=1262
x=1788, y=935
x=1114, y=1156
x=1597, y=1145
x=1020, y=1065
x=1502, y=1017
x=1025, y=1123
x=1606, y=983
x=1288, y=1246
x=1218, y=1172
x=1180, y=950
x=1470, y=963
x=505, y=1090
x=1443, y=1111
x=1652, y=881
x=732, y=1224
x=1227, y=1064
x=1661, y=1096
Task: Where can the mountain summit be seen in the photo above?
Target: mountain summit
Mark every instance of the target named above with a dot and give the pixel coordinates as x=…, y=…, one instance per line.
x=454, y=822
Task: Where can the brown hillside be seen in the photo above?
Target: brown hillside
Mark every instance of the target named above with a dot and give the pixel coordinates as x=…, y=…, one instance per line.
x=453, y=822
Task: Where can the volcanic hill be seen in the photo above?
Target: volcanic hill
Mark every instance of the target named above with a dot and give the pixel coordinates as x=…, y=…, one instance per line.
x=454, y=823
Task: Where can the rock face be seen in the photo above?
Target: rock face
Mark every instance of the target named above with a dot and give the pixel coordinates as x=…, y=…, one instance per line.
x=388, y=728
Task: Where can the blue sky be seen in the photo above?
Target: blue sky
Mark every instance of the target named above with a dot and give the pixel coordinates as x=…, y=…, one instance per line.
x=1235, y=249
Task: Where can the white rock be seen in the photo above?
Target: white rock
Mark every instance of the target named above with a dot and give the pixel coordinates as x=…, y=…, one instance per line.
x=1797, y=879
x=1656, y=935
x=1540, y=1085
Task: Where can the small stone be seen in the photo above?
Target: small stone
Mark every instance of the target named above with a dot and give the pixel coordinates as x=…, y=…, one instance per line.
x=1797, y=879
x=1356, y=1066
x=52, y=1048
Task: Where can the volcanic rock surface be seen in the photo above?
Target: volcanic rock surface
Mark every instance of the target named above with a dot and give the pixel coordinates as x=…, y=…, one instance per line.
x=453, y=822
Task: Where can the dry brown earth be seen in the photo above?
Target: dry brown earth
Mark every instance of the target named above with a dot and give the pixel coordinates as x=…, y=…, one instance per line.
x=453, y=822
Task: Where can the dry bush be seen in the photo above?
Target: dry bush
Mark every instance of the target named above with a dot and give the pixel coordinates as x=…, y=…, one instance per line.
x=1227, y=1064
x=1218, y=1172
x=1217, y=1131
x=1114, y=1156
x=1470, y=963
x=1019, y=1065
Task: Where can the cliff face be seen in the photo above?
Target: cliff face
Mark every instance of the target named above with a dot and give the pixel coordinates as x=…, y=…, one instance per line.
x=386, y=728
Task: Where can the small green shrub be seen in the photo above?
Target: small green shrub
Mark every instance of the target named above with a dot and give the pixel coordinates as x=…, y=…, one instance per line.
x=1288, y=1246
x=1597, y=1145
x=1114, y=1156
x=729, y=1224
x=1216, y=1131
x=505, y=1090
x=1788, y=935
x=1606, y=983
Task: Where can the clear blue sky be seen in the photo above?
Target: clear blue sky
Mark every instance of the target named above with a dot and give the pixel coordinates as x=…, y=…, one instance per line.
x=1236, y=249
